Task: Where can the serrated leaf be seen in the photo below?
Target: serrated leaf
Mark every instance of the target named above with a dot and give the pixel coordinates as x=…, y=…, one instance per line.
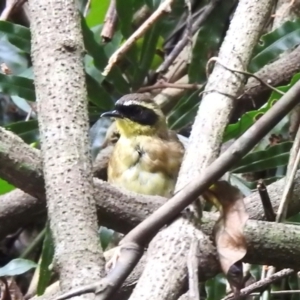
x=17, y=35
x=16, y=267
x=46, y=260
x=18, y=86
x=274, y=43
x=270, y=158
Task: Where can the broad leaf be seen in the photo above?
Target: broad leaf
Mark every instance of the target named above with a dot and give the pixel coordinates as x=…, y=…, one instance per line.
x=18, y=86
x=16, y=267
x=274, y=43
x=22, y=126
x=17, y=35
x=272, y=157
x=5, y=187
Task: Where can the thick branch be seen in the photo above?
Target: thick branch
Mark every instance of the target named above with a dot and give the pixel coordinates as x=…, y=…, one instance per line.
x=57, y=53
x=165, y=269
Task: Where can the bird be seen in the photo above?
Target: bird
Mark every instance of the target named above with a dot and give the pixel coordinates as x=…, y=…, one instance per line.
x=147, y=156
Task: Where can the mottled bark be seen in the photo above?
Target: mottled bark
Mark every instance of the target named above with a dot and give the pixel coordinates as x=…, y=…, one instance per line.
x=57, y=53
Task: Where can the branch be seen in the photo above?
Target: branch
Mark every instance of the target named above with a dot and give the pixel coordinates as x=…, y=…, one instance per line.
x=123, y=210
x=256, y=94
x=110, y=22
x=163, y=8
x=187, y=36
x=63, y=127
x=204, y=146
x=181, y=86
x=261, y=284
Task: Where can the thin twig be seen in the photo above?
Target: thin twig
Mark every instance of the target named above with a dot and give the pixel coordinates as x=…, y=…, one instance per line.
x=163, y=8
x=265, y=200
x=192, y=265
x=181, y=86
x=87, y=7
x=145, y=231
x=110, y=22
x=188, y=29
x=185, y=39
x=291, y=171
x=261, y=284
x=215, y=59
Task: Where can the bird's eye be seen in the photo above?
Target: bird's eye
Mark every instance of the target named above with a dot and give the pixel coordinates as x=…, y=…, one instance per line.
x=138, y=110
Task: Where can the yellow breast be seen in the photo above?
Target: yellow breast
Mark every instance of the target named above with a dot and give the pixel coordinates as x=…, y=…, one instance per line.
x=145, y=165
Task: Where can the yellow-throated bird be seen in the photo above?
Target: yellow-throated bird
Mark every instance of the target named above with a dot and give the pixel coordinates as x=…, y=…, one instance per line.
x=147, y=157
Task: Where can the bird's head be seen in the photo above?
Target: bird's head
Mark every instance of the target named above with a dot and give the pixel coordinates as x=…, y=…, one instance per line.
x=137, y=114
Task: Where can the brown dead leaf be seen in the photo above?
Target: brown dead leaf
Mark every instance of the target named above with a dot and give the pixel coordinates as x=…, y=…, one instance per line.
x=9, y=289
x=228, y=232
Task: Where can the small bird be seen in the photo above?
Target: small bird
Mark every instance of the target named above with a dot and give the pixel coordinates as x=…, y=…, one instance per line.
x=147, y=157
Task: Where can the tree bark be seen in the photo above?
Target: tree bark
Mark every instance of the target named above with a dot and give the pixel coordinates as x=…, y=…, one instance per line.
x=57, y=53
x=165, y=270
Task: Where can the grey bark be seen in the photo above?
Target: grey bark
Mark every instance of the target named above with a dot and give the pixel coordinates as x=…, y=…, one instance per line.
x=57, y=53
x=165, y=269
x=123, y=210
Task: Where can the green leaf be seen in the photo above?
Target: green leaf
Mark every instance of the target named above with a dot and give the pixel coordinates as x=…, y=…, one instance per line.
x=5, y=187
x=46, y=260
x=16, y=267
x=274, y=43
x=208, y=40
x=17, y=35
x=15, y=60
x=96, y=15
x=97, y=94
x=150, y=42
x=17, y=86
x=248, y=119
x=99, y=61
x=125, y=14
x=185, y=111
x=270, y=158
x=209, y=37
x=105, y=236
x=215, y=288
x=22, y=126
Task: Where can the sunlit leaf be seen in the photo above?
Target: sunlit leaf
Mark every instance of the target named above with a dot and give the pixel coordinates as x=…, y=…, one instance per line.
x=5, y=187
x=97, y=11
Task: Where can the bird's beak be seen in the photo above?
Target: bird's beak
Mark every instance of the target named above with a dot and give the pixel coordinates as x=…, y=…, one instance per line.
x=112, y=114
